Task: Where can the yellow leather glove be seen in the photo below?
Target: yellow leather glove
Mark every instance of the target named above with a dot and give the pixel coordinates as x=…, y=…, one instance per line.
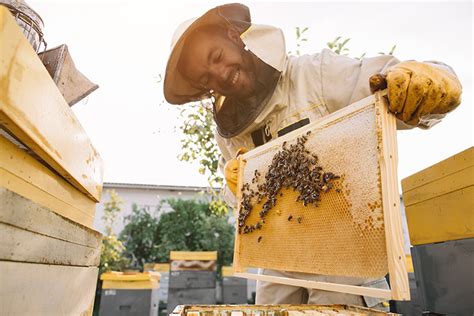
x=417, y=90
x=231, y=171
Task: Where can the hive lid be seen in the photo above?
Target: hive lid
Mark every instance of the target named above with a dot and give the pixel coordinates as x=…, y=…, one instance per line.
x=193, y=255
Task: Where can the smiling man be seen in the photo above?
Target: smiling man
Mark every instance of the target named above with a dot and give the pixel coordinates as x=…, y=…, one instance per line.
x=260, y=93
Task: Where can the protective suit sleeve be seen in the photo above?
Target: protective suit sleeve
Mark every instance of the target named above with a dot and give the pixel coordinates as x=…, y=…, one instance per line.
x=345, y=80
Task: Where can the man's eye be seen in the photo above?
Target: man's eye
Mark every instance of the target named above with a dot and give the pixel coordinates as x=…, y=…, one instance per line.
x=217, y=56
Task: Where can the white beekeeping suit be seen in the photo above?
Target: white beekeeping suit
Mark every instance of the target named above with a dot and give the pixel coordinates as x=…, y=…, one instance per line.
x=310, y=87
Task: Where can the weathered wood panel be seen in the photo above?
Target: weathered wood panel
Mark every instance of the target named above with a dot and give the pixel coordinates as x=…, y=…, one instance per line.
x=21, y=212
x=32, y=233
x=41, y=289
x=26, y=246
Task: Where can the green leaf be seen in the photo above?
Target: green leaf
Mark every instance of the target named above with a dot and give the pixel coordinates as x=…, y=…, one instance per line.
x=392, y=50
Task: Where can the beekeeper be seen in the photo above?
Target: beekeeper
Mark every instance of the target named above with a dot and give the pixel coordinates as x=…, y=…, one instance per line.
x=260, y=93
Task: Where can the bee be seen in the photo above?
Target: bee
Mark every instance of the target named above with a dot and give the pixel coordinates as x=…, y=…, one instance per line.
x=259, y=238
x=293, y=166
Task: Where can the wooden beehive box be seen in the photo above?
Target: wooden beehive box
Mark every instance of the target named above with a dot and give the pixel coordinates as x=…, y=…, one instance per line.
x=50, y=182
x=355, y=230
x=192, y=278
x=439, y=200
x=274, y=310
x=193, y=260
x=120, y=280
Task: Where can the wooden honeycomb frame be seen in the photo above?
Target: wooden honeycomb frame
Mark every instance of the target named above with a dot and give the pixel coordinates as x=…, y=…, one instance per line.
x=390, y=199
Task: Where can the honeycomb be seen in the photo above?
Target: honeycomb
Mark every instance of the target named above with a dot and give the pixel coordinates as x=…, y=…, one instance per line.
x=344, y=234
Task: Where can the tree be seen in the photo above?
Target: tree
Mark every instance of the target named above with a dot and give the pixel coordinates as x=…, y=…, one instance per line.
x=199, y=143
x=112, y=249
x=192, y=226
x=140, y=236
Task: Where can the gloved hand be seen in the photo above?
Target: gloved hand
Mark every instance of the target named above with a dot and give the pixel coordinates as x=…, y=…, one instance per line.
x=231, y=171
x=417, y=90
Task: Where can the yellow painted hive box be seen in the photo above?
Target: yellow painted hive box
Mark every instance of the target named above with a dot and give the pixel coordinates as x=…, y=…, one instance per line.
x=135, y=281
x=439, y=200
x=193, y=260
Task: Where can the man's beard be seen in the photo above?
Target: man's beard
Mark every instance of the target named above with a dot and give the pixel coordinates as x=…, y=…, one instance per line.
x=250, y=69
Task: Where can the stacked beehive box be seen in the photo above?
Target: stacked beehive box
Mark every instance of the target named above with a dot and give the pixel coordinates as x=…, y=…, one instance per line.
x=164, y=270
x=130, y=294
x=50, y=182
x=439, y=205
x=192, y=278
x=234, y=290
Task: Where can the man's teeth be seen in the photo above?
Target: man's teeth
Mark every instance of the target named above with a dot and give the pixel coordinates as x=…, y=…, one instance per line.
x=236, y=77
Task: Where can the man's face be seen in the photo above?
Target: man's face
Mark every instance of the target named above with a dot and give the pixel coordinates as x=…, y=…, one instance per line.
x=217, y=61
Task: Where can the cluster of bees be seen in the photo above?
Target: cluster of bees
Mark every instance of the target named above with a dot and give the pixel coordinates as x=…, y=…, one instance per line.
x=292, y=167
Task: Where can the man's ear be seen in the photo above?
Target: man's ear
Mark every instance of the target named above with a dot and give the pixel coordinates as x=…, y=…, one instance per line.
x=234, y=36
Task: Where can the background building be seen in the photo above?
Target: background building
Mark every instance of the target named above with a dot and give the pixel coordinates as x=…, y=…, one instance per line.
x=145, y=195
